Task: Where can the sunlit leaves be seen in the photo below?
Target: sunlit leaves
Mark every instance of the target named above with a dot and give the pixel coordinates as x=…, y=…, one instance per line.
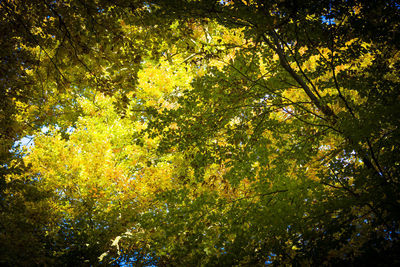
x=201, y=132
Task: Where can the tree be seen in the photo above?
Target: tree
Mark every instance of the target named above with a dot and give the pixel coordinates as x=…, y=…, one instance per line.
x=324, y=99
x=269, y=131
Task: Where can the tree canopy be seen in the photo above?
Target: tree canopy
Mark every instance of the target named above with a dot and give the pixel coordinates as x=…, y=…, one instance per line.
x=185, y=133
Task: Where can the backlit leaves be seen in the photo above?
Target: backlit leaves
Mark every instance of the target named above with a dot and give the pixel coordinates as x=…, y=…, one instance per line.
x=200, y=132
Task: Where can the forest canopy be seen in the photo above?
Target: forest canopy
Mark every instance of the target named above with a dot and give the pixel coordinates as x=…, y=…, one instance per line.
x=199, y=133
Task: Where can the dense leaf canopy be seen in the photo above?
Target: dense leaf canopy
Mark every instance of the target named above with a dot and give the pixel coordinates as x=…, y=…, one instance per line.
x=186, y=133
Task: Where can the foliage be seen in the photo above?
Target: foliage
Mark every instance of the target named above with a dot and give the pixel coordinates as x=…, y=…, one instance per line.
x=200, y=133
